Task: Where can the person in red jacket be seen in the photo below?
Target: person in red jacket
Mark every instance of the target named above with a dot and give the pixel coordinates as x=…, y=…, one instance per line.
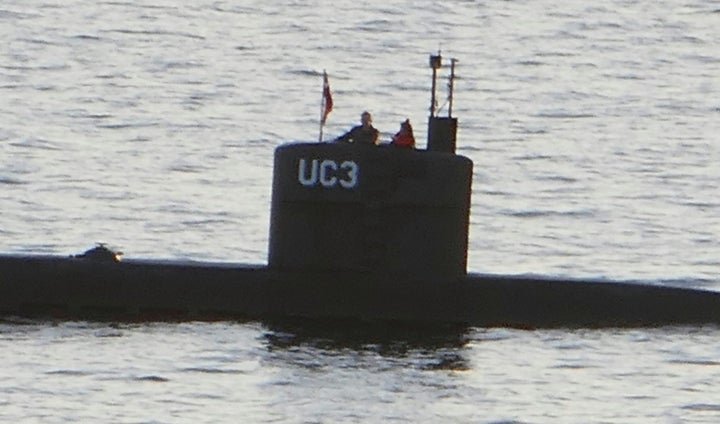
x=404, y=137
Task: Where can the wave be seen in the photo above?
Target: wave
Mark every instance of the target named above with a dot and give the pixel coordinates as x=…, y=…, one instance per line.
x=538, y=213
x=11, y=181
x=156, y=33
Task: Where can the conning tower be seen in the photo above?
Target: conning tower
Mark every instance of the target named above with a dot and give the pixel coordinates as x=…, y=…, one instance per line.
x=373, y=209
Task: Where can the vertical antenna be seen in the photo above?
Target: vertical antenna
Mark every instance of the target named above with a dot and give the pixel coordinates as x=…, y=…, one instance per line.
x=435, y=63
x=450, y=86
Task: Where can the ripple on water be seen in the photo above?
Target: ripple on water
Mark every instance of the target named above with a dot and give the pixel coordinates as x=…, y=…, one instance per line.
x=153, y=125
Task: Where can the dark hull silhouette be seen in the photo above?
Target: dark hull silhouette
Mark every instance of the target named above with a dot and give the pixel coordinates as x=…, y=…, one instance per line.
x=372, y=233
x=132, y=290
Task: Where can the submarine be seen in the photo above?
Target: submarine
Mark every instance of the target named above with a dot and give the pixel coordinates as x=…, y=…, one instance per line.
x=368, y=233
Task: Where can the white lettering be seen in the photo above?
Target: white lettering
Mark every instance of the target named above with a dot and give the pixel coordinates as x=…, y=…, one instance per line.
x=302, y=173
x=324, y=166
x=352, y=172
x=330, y=173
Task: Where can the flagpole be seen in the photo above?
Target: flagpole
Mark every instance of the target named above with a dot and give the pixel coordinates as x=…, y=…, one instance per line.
x=322, y=107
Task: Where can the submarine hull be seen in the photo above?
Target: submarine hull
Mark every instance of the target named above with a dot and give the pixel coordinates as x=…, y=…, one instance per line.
x=134, y=290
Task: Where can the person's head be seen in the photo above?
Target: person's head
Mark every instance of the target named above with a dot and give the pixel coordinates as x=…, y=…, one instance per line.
x=366, y=118
x=406, y=128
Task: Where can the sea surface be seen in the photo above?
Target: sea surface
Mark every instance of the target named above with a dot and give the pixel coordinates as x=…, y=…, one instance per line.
x=150, y=125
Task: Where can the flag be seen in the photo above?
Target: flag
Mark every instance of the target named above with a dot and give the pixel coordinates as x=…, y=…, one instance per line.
x=327, y=99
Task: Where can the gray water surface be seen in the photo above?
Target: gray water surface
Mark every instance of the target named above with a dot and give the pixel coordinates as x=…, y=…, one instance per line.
x=150, y=125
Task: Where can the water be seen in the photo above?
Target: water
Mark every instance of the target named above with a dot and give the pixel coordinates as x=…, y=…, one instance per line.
x=227, y=372
x=150, y=125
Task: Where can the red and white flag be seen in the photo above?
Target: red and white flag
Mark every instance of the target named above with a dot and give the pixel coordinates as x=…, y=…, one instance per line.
x=327, y=99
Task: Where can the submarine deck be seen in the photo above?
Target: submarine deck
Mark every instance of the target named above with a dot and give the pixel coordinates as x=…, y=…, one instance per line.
x=161, y=290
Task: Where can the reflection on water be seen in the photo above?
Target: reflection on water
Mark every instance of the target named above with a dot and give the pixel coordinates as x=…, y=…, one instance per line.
x=593, y=128
x=429, y=346
x=358, y=371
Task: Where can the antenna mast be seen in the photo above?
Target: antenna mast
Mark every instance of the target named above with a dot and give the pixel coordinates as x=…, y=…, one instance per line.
x=442, y=131
x=435, y=64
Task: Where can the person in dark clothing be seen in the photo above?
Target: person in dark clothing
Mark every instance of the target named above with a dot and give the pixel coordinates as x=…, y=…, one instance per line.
x=364, y=133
